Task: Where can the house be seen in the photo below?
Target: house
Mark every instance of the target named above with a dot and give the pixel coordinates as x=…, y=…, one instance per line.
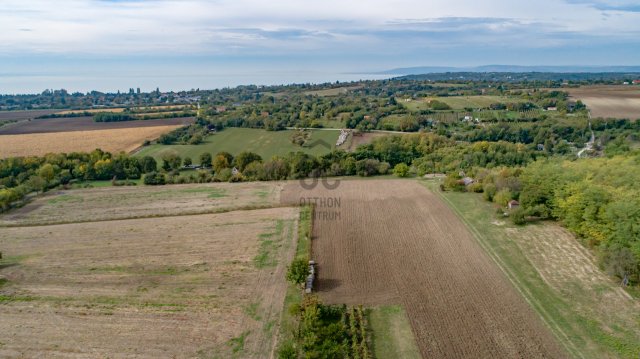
x=221, y=109
x=513, y=204
x=467, y=181
x=636, y=82
x=264, y=114
x=367, y=117
x=552, y=108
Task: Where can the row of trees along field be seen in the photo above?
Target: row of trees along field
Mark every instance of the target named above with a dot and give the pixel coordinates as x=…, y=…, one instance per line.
x=24, y=175
x=597, y=199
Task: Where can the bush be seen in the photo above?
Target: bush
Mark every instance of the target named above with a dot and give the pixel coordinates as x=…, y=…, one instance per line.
x=503, y=197
x=517, y=216
x=287, y=350
x=401, y=170
x=154, y=178
x=489, y=191
x=224, y=175
x=475, y=187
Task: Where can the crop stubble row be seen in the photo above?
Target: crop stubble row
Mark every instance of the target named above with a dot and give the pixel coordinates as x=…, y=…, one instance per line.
x=394, y=242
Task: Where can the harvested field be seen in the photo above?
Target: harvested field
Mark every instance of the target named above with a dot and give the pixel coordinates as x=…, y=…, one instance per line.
x=610, y=101
x=85, y=124
x=115, y=140
x=8, y=118
x=94, y=110
x=109, y=203
x=205, y=286
x=393, y=242
x=24, y=115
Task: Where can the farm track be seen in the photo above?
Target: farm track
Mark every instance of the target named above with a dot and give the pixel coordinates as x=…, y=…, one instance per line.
x=393, y=242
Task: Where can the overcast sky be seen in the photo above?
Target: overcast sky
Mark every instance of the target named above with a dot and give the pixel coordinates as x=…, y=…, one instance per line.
x=115, y=40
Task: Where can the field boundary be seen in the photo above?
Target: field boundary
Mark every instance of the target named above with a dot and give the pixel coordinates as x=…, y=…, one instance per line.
x=192, y=213
x=526, y=294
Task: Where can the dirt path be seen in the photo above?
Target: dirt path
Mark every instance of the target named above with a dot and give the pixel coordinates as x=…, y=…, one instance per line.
x=393, y=242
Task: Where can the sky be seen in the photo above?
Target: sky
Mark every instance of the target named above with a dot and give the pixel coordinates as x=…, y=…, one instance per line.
x=81, y=45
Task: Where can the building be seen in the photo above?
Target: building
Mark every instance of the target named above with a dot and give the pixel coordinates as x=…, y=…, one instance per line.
x=636, y=82
x=513, y=204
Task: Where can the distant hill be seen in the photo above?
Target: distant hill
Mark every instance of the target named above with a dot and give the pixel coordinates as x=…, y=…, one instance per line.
x=512, y=69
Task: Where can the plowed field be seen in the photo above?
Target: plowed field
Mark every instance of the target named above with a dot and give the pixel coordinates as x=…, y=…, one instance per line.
x=394, y=242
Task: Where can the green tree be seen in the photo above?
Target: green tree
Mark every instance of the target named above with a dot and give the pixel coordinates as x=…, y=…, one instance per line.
x=47, y=172
x=148, y=164
x=246, y=157
x=205, y=160
x=171, y=160
x=221, y=162
x=187, y=161
x=298, y=271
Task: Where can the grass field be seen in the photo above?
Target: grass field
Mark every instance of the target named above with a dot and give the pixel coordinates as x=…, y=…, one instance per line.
x=333, y=92
x=109, y=203
x=588, y=311
x=236, y=140
x=459, y=102
x=114, y=140
x=392, y=336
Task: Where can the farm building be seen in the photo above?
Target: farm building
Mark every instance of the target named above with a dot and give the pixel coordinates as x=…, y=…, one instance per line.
x=513, y=204
x=312, y=273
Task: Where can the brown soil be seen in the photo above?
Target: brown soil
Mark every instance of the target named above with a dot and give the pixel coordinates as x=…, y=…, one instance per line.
x=394, y=242
x=361, y=139
x=24, y=115
x=610, y=101
x=173, y=287
x=85, y=124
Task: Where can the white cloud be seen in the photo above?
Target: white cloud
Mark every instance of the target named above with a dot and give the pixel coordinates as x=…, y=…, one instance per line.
x=224, y=26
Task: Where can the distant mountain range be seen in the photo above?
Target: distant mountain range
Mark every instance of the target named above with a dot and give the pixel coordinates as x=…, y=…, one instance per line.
x=511, y=68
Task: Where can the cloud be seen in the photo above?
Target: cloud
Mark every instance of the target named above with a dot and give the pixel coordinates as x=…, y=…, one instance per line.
x=288, y=27
x=610, y=5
